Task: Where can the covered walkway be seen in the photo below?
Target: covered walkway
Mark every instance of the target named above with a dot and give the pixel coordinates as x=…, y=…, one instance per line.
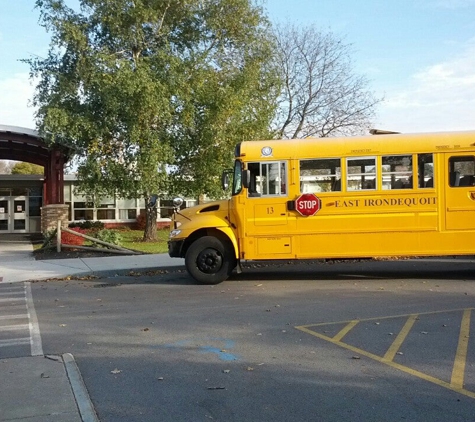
x=16, y=201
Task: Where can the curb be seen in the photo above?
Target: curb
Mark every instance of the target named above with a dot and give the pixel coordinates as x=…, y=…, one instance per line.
x=83, y=401
x=130, y=272
x=106, y=273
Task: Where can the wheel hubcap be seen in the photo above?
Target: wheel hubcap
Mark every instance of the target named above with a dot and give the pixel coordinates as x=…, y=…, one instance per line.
x=209, y=261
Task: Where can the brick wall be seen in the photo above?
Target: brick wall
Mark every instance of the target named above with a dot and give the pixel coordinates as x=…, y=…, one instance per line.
x=50, y=214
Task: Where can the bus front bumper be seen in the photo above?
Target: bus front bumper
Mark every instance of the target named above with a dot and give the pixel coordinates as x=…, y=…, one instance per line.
x=175, y=248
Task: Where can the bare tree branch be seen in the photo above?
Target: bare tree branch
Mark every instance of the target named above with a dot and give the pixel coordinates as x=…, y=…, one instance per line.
x=321, y=95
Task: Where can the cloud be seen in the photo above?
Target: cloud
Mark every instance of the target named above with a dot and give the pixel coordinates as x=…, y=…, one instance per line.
x=439, y=97
x=17, y=92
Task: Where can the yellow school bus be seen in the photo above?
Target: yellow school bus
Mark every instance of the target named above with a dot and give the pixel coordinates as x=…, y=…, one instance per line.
x=355, y=197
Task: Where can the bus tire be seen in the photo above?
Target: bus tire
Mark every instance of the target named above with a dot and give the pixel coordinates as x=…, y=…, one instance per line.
x=209, y=261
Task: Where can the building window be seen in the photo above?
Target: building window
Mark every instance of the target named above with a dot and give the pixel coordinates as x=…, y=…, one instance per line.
x=34, y=206
x=128, y=214
x=106, y=214
x=83, y=214
x=83, y=208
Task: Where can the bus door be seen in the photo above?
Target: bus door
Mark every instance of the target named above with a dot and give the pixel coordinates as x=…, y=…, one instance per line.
x=460, y=191
x=266, y=222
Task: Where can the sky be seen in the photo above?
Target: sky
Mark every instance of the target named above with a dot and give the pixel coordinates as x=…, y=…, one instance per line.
x=418, y=55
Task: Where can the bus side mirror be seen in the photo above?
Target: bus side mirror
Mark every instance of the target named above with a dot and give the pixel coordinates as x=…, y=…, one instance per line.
x=246, y=178
x=225, y=179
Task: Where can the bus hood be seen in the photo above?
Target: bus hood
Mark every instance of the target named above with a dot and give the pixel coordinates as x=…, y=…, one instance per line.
x=217, y=209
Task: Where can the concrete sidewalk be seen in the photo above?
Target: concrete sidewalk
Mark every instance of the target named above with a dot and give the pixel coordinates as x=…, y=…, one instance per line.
x=28, y=269
x=43, y=389
x=50, y=388
x=17, y=263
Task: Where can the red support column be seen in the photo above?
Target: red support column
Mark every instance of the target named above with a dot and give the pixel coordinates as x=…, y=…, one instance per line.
x=54, y=179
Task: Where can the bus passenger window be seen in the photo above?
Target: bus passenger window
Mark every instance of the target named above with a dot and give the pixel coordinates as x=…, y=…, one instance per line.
x=461, y=171
x=322, y=175
x=425, y=166
x=267, y=179
x=397, y=172
x=361, y=173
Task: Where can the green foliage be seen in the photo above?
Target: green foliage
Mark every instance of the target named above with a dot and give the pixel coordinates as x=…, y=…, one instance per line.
x=27, y=168
x=141, y=86
x=109, y=236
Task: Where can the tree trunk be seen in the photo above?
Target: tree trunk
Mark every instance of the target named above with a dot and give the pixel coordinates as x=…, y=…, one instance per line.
x=150, y=233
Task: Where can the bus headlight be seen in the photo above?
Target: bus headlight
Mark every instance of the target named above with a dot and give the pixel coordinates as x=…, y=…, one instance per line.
x=174, y=233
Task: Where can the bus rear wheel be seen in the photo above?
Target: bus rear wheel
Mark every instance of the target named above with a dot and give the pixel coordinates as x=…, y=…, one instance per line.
x=209, y=261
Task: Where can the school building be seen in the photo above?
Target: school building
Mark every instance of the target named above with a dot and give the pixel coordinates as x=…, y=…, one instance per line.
x=34, y=203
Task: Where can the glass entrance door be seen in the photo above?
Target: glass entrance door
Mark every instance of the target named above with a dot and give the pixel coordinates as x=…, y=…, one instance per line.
x=4, y=214
x=20, y=214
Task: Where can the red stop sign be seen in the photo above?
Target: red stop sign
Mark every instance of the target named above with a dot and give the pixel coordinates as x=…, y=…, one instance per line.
x=308, y=204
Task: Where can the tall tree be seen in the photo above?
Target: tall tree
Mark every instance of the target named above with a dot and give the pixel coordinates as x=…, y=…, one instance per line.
x=225, y=94
x=27, y=168
x=322, y=95
x=139, y=85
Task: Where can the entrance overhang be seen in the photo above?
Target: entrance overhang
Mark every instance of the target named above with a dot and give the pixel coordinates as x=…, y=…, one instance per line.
x=22, y=144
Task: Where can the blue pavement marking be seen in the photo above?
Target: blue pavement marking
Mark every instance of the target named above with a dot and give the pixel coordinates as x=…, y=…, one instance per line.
x=221, y=352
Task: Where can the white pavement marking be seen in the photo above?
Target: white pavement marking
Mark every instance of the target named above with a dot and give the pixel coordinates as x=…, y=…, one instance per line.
x=14, y=327
x=15, y=342
x=24, y=316
x=12, y=299
x=36, y=346
x=17, y=308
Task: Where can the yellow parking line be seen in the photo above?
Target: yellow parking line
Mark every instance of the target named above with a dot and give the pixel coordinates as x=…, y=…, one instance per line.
x=457, y=380
x=345, y=330
x=458, y=371
x=395, y=365
x=389, y=355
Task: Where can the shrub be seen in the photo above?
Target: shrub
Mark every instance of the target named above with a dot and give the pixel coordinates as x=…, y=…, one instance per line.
x=109, y=236
x=88, y=225
x=71, y=239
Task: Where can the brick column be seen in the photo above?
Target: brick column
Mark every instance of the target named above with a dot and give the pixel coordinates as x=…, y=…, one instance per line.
x=50, y=214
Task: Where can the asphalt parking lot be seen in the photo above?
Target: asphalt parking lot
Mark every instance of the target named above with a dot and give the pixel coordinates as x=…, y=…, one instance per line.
x=359, y=341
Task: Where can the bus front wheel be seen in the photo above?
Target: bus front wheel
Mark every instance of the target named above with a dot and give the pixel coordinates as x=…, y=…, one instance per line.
x=209, y=260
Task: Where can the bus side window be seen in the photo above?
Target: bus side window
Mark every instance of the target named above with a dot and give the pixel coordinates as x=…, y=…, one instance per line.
x=461, y=171
x=336, y=186
x=454, y=178
x=396, y=172
x=425, y=165
x=361, y=173
x=320, y=175
x=255, y=170
x=467, y=180
x=267, y=179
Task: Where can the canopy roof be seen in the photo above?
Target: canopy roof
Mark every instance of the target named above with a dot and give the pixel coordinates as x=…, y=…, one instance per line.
x=22, y=144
